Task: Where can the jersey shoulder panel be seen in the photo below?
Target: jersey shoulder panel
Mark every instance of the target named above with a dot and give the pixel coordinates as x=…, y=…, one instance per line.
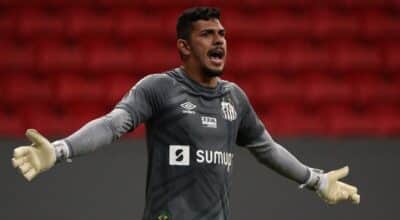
x=235, y=89
x=146, y=97
x=155, y=81
x=157, y=87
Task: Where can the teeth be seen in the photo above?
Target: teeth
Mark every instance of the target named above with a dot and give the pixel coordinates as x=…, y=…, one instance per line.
x=215, y=58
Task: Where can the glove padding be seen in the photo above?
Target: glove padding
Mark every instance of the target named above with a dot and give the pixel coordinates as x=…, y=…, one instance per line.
x=36, y=158
x=334, y=191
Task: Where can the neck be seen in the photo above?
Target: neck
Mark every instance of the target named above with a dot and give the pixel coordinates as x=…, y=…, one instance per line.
x=199, y=77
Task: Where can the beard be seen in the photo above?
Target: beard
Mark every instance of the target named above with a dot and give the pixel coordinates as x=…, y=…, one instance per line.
x=210, y=72
x=204, y=68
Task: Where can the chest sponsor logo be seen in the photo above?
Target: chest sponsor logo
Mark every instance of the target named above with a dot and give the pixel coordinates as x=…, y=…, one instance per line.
x=209, y=122
x=228, y=111
x=188, y=108
x=179, y=155
x=215, y=157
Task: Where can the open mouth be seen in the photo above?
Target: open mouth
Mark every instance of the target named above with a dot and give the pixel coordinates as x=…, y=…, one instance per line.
x=216, y=55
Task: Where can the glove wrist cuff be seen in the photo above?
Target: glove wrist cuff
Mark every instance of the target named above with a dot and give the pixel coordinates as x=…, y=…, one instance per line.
x=315, y=180
x=62, y=150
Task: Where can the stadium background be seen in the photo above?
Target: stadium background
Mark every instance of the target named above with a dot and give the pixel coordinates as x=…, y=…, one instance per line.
x=323, y=76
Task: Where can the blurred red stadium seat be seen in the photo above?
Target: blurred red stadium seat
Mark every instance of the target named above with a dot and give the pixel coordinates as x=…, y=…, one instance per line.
x=60, y=57
x=44, y=3
x=344, y=121
x=376, y=89
x=74, y=88
x=267, y=88
x=8, y=23
x=105, y=57
x=85, y=110
x=250, y=57
x=153, y=57
x=347, y=57
x=238, y=23
x=266, y=24
x=356, y=4
x=328, y=24
x=16, y=56
x=321, y=89
x=41, y=23
x=378, y=25
x=119, y=3
x=301, y=56
x=292, y=119
x=168, y=4
x=392, y=57
x=386, y=118
x=11, y=125
x=89, y=23
x=24, y=89
x=42, y=116
x=135, y=24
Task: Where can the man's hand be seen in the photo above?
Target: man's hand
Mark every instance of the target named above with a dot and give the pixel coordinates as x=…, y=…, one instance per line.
x=333, y=191
x=36, y=158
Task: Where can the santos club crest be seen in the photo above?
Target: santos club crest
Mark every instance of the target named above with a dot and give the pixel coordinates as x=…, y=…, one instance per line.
x=228, y=111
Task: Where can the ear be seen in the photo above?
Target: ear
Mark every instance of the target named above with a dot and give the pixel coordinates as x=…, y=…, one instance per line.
x=183, y=47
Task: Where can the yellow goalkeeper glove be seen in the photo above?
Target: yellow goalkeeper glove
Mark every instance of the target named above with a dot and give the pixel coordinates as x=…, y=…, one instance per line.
x=332, y=191
x=36, y=158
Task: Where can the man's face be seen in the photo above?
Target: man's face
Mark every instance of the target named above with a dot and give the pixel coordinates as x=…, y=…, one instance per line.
x=208, y=46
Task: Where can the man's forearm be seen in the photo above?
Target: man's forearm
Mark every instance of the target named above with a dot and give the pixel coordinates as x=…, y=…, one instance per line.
x=95, y=134
x=282, y=161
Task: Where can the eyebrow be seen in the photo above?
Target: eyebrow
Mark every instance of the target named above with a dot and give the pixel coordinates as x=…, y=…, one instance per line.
x=212, y=30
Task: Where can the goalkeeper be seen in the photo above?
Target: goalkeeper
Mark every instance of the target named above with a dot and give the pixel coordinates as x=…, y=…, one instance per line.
x=193, y=121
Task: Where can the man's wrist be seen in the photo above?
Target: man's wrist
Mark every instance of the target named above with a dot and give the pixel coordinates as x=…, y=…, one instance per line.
x=62, y=150
x=316, y=180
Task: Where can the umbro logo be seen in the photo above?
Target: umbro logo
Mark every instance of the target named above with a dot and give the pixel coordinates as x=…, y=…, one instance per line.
x=188, y=108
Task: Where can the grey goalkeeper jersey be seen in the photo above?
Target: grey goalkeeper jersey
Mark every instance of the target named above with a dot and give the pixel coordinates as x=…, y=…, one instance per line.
x=191, y=134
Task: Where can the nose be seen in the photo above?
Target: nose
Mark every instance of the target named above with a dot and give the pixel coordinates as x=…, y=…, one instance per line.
x=218, y=40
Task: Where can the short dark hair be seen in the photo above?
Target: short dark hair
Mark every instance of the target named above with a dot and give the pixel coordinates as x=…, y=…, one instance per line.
x=185, y=20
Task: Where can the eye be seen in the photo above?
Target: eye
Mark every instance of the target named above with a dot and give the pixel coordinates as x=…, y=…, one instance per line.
x=205, y=33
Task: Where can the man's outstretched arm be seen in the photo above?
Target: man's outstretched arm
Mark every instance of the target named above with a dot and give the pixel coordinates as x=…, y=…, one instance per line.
x=42, y=155
x=95, y=134
x=253, y=136
x=327, y=185
x=135, y=107
x=282, y=161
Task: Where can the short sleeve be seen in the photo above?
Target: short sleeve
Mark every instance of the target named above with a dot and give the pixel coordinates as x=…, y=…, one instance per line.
x=252, y=132
x=140, y=101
